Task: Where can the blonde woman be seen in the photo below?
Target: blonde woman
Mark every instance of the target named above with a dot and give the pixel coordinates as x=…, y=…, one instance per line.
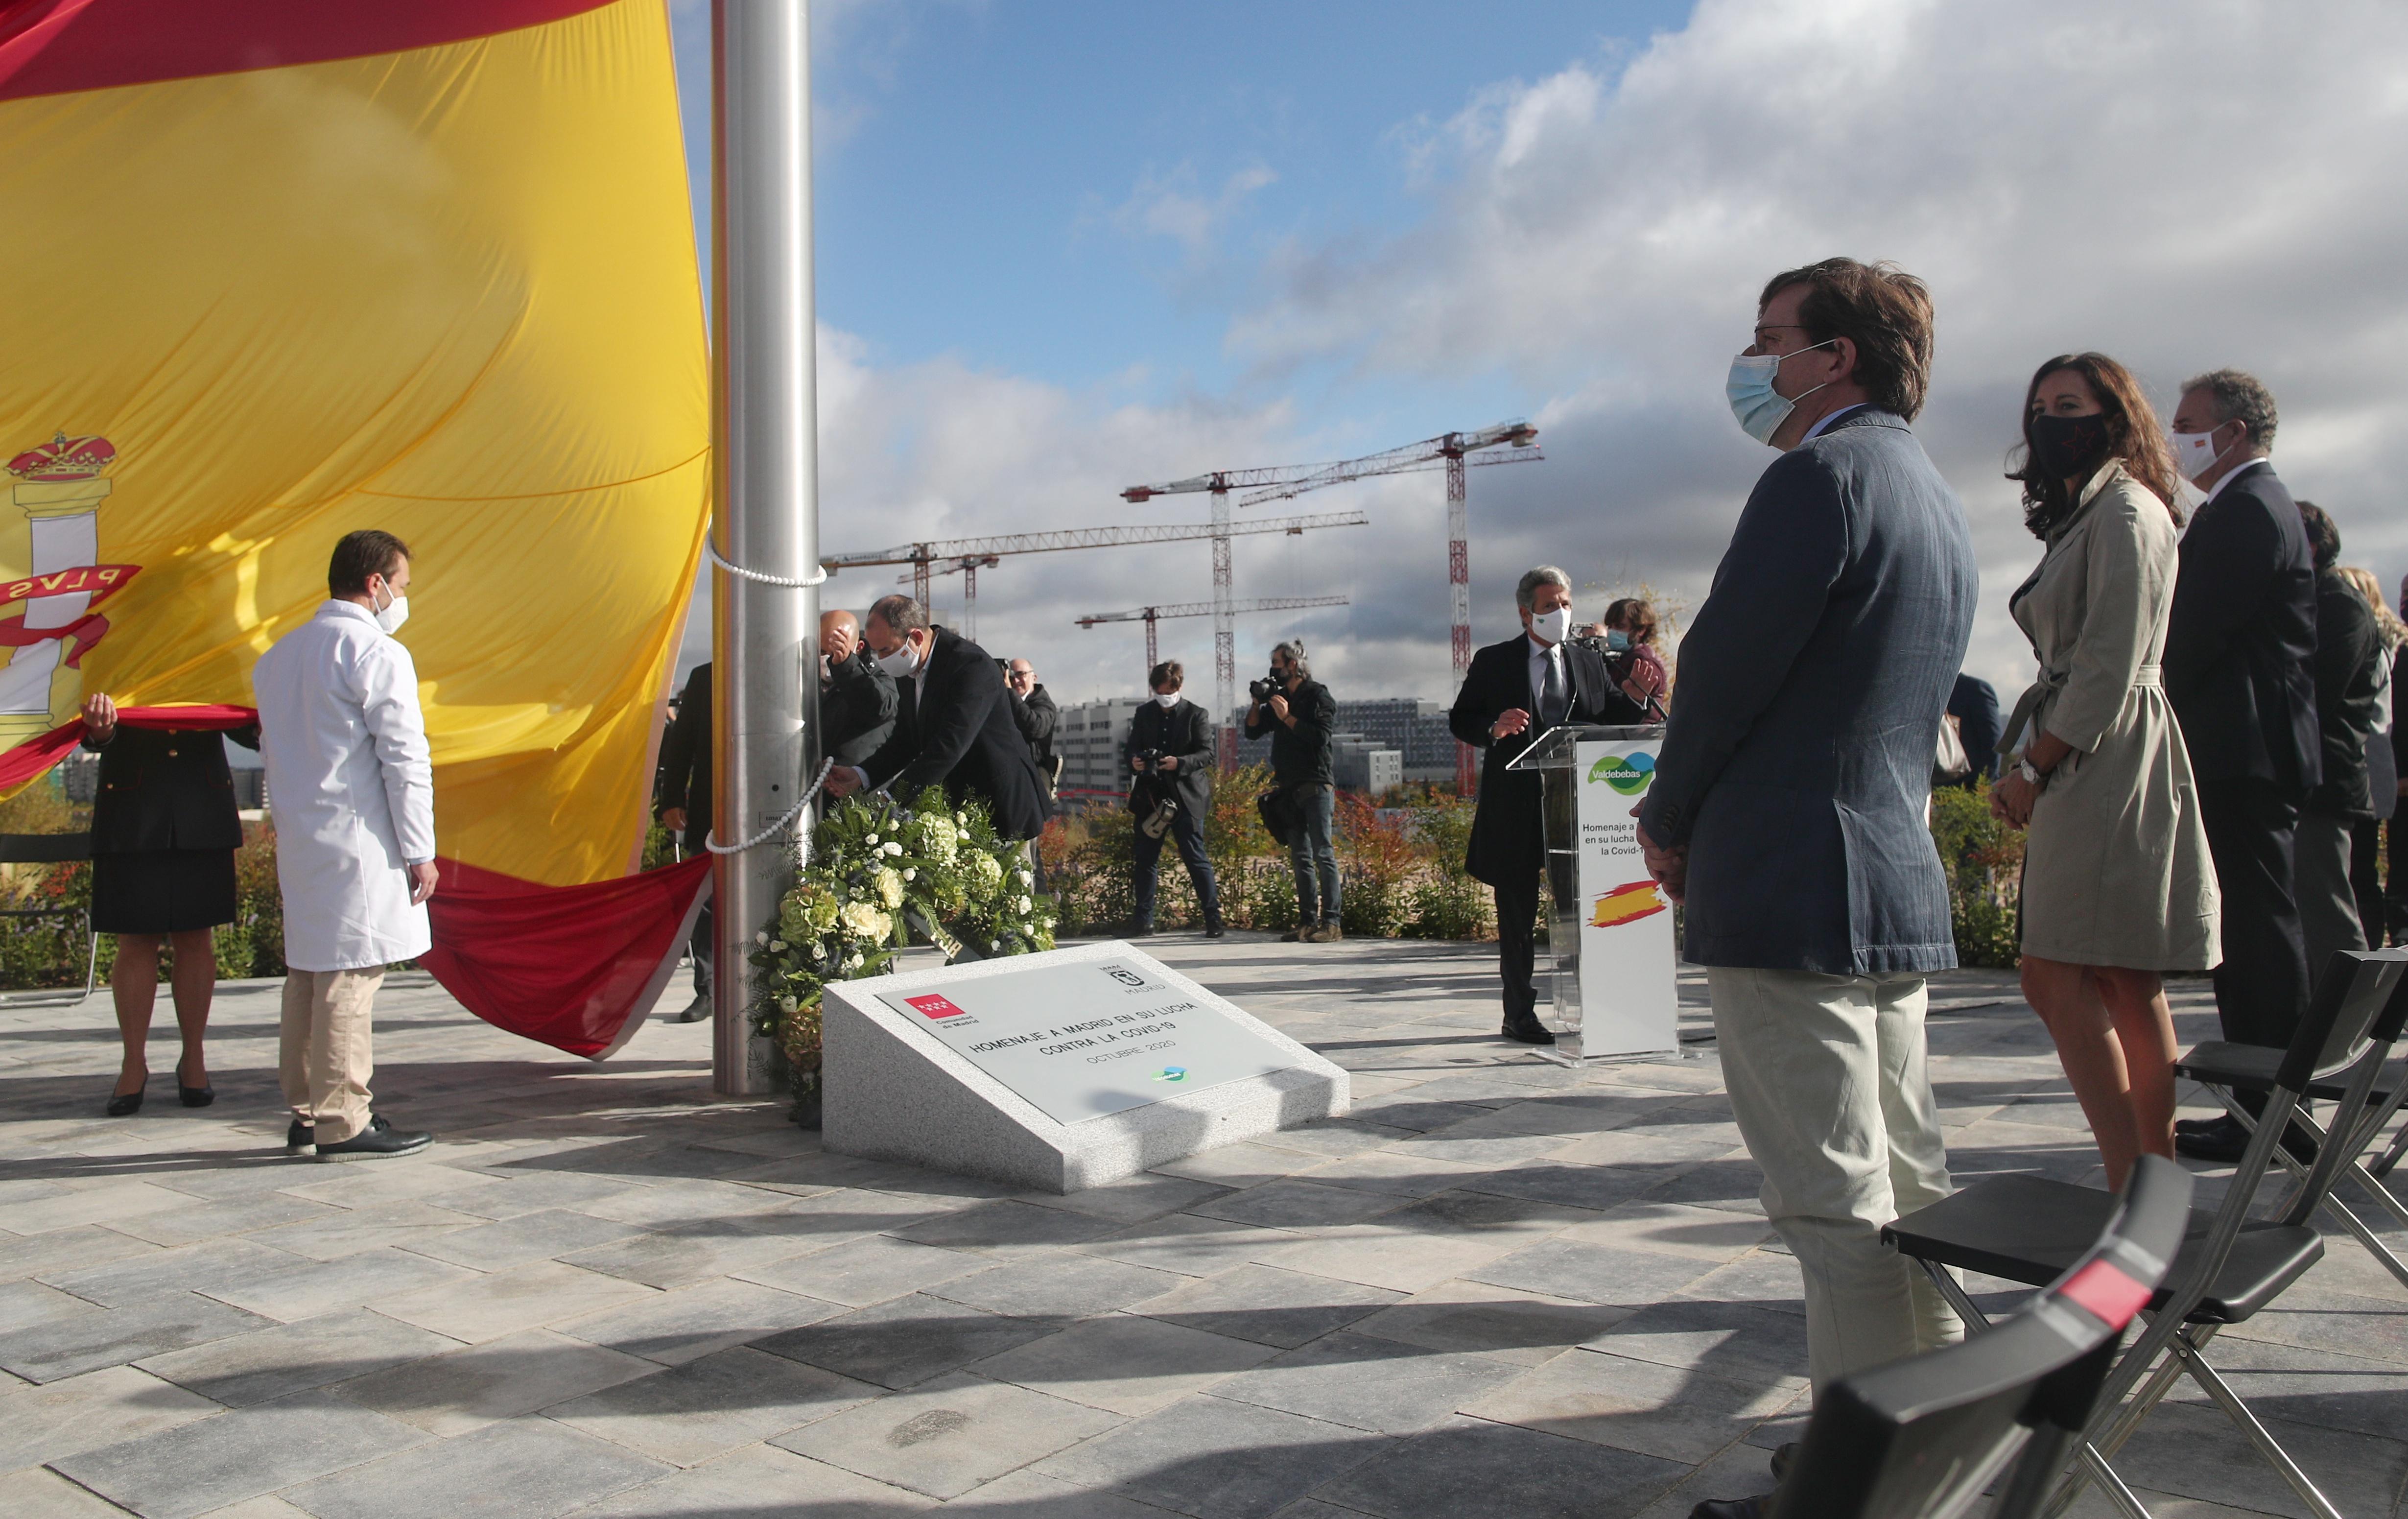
x=2118, y=888
x=2382, y=768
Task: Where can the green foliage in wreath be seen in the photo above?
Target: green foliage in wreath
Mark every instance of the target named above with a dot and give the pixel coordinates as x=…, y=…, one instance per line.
x=879, y=872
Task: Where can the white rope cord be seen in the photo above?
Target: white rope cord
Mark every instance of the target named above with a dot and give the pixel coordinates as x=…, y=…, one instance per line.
x=712, y=844
x=818, y=575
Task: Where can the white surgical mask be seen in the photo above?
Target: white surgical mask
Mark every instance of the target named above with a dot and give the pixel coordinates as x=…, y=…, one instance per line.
x=1759, y=408
x=902, y=662
x=392, y=614
x=1555, y=626
x=1167, y=698
x=2196, y=454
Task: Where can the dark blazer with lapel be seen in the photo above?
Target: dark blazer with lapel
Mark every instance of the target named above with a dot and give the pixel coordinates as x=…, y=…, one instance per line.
x=684, y=775
x=164, y=789
x=1798, y=762
x=1508, y=841
x=1184, y=730
x=959, y=733
x=857, y=707
x=2240, y=641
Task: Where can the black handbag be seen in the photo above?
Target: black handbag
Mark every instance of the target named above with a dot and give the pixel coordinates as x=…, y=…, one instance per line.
x=1278, y=815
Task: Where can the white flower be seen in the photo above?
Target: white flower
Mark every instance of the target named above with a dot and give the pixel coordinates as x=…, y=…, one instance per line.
x=777, y=946
x=871, y=841
x=761, y=937
x=909, y=873
x=788, y=1004
x=1021, y=904
x=890, y=847
x=864, y=921
x=962, y=818
x=1026, y=879
x=854, y=963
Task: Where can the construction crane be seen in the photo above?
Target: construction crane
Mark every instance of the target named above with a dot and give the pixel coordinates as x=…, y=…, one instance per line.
x=1151, y=615
x=1450, y=451
x=956, y=553
x=966, y=566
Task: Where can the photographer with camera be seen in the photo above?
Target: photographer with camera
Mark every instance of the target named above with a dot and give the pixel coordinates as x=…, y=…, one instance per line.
x=1169, y=751
x=1625, y=640
x=1299, y=712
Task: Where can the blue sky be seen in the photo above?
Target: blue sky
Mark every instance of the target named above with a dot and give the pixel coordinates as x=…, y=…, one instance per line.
x=1064, y=247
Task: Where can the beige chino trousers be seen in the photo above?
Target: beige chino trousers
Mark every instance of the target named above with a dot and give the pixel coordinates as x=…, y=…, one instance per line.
x=1828, y=1081
x=326, y=1057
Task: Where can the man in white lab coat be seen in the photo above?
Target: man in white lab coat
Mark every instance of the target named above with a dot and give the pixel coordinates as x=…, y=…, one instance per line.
x=352, y=792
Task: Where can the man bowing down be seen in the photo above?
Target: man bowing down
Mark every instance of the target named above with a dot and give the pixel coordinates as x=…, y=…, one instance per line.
x=352, y=792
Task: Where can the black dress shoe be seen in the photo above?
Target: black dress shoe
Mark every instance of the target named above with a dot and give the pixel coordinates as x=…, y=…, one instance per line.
x=121, y=1103
x=300, y=1140
x=1733, y=1507
x=1215, y=929
x=2225, y=1144
x=196, y=1096
x=376, y=1142
x=1526, y=1029
x=1784, y=1456
x=2220, y=1124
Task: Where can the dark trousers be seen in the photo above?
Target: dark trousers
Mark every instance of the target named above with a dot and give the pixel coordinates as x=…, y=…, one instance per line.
x=699, y=946
x=1517, y=916
x=1313, y=857
x=1189, y=835
x=2261, y=988
x=2366, y=881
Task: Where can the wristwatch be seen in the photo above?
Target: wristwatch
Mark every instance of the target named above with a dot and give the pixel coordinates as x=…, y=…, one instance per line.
x=2032, y=778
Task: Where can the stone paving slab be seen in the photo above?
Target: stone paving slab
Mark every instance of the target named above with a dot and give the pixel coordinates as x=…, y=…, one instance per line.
x=1498, y=1287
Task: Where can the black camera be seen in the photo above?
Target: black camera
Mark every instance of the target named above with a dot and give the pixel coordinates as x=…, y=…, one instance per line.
x=1150, y=758
x=1269, y=686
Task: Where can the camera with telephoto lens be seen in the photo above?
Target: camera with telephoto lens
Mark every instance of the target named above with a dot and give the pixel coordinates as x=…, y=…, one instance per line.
x=1270, y=686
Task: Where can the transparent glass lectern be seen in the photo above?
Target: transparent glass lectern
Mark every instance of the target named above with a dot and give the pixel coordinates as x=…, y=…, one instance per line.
x=1555, y=756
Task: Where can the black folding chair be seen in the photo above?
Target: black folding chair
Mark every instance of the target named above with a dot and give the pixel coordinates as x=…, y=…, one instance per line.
x=1922, y=1438
x=52, y=849
x=2029, y=1230
x=2229, y=1071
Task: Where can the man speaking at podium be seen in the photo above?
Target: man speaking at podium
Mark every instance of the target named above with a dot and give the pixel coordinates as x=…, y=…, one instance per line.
x=1514, y=691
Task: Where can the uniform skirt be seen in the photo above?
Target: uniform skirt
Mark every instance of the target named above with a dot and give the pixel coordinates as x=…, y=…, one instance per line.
x=164, y=891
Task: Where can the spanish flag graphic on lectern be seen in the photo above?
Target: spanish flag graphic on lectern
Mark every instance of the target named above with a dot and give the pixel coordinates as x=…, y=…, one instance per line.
x=279, y=269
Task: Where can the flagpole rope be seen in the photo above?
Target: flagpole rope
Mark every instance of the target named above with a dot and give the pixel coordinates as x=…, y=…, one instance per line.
x=818, y=575
x=711, y=842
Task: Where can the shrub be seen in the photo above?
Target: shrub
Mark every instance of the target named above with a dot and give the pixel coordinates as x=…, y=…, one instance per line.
x=1983, y=859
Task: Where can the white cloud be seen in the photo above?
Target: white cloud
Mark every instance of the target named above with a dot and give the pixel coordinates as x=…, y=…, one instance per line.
x=2184, y=183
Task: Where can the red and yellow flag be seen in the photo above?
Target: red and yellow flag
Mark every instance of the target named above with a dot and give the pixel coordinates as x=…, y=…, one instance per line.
x=284, y=268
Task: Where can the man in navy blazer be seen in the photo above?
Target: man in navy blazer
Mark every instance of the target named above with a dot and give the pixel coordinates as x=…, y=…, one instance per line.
x=1789, y=804
x=2240, y=669
x=1514, y=691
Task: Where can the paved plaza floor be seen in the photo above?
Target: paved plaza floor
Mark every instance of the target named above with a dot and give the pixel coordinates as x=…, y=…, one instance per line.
x=1498, y=1288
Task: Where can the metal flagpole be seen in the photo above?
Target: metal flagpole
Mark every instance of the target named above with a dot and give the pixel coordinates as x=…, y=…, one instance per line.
x=764, y=491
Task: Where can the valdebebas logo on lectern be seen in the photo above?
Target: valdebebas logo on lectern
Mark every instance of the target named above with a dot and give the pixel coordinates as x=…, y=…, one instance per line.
x=1629, y=776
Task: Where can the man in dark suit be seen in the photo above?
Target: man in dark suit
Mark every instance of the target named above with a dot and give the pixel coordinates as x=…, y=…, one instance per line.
x=681, y=804
x=2240, y=644
x=1178, y=734
x=952, y=727
x=1514, y=691
x=1787, y=807
x=858, y=699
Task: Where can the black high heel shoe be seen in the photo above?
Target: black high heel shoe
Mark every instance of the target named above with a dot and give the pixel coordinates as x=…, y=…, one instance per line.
x=194, y=1097
x=121, y=1104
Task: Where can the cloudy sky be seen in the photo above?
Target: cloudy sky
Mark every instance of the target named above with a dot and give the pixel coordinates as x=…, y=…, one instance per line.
x=1064, y=247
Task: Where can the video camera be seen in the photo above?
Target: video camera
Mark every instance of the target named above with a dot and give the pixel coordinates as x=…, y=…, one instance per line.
x=1269, y=686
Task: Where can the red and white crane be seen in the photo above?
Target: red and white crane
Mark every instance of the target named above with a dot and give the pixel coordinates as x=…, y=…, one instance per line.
x=969, y=555
x=1151, y=615
x=1450, y=451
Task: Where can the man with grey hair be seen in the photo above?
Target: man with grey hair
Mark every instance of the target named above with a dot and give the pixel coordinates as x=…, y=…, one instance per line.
x=2240, y=669
x=1513, y=692
x=1299, y=715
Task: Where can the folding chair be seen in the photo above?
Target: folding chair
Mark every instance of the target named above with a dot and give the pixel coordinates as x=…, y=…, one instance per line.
x=2029, y=1230
x=52, y=849
x=1922, y=1438
x=2230, y=1069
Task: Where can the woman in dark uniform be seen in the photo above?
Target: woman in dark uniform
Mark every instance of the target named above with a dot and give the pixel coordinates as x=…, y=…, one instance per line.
x=164, y=833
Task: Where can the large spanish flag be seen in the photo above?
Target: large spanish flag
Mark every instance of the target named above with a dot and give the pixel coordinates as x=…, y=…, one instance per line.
x=279, y=269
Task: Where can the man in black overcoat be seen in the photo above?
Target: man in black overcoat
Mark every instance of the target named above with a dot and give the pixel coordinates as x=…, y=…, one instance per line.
x=858, y=699
x=1514, y=691
x=2239, y=671
x=1177, y=735
x=953, y=724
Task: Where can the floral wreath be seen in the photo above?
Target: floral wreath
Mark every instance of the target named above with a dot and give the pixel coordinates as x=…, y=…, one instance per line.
x=876, y=871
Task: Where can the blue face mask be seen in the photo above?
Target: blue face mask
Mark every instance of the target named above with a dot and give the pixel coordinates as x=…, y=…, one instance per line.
x=1616, y=639
x=1759, y=408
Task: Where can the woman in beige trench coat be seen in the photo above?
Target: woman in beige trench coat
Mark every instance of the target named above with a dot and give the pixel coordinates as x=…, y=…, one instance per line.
x=2117, y=883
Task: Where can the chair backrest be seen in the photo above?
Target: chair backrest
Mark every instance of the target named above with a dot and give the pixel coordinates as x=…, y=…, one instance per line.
x=44, y=848
x=2356, y=989
x=2376, y=1005
x=1921, y=1438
